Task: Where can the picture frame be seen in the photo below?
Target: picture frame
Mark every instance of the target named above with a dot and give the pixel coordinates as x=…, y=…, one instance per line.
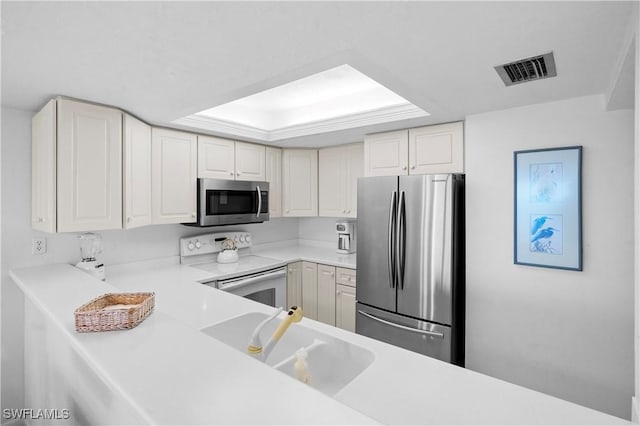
x=548, y=208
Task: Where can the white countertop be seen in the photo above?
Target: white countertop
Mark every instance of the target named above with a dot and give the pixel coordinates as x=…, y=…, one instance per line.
x=217, y=384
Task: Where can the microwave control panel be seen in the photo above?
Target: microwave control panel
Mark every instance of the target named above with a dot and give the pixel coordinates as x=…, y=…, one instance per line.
x=212, y=243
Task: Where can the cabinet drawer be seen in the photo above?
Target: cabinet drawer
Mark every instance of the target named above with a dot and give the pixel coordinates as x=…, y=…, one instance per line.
x=346, y=276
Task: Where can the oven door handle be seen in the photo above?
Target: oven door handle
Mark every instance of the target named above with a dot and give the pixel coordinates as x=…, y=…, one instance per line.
x=251, y=280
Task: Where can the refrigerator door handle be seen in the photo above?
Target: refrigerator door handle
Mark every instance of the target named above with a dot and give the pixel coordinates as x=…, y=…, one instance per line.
x=391, y=253
x=401, y=241
x=403, y=327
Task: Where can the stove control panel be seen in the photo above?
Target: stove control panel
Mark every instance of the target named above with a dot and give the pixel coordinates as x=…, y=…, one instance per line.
x=212, y=243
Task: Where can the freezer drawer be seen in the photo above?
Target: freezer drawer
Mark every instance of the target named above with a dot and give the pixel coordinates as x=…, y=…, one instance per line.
x=419, y=336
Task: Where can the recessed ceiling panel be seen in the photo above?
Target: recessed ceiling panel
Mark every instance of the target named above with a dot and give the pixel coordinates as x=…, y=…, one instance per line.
x=335, y=99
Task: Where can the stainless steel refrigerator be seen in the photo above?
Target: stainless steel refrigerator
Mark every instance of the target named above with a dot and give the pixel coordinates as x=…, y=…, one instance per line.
x=410, y=263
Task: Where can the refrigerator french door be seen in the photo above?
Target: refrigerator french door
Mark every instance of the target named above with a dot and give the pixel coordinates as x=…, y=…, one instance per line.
x=410, y=263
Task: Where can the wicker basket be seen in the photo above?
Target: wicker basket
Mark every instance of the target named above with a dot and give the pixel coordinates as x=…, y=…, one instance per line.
x=114, y=311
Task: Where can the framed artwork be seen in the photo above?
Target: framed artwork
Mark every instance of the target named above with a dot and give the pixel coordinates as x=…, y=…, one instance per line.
x=548, y=208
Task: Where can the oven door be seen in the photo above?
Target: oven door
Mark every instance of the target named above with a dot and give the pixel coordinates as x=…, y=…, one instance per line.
x=226, y=202
x=268, y=287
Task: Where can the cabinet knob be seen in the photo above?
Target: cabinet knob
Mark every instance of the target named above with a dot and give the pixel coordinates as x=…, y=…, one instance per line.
x=348, y=211
x=237, y=173
x=404, y=167
x=230, y=173
x=338, y=293
x=41, y=219
x=413, y=167
x=193, y=214
x=129, y=220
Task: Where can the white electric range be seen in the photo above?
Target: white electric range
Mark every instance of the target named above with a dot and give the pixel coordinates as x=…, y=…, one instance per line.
x=255, y=277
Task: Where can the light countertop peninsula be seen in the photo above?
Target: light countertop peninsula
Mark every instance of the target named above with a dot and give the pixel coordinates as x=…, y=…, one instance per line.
x=165, y=371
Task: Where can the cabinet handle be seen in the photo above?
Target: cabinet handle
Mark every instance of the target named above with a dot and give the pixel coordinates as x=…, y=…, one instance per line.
x=413, y=167
x=237, y=173
x=230, y=173
x=404, y=167
x=129, y=220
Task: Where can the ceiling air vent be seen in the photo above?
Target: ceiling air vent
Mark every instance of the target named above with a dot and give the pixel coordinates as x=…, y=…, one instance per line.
x=535, y=68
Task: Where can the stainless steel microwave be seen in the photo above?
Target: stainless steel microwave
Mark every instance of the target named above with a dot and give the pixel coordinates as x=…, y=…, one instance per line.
x=228, y=202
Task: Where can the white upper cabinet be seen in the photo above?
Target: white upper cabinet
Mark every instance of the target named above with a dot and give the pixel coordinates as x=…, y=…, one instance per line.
x=273, y=175
x=89, y=149
x=386, y=154
x=300, y=182
x=173, y=168
x=250, y=161
x=424, y=150
x=338, y=171
x=436, y=149
x=137, y=173
x=225, y=159
x=216, y=158
x=43, y=169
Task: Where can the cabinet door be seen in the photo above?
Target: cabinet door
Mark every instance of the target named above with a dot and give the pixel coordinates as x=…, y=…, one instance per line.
x=273, y=175
x=43, y=169
x=310, y=290
x=300, y=182
x=216, y=158
x=89, y=192
x=250, y=162
x=137, y=173
x=346, y=307
x=173, y=170
x=332, y=182
x=355, y=170
x=386, y=154
x=294, y=285
x=327, y=294
x=436, y=149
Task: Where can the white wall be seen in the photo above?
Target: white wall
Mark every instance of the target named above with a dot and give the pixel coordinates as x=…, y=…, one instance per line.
x=119, y=246
x=565, y=333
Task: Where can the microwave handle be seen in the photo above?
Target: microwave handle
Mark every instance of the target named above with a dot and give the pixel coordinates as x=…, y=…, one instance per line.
x=259, y=201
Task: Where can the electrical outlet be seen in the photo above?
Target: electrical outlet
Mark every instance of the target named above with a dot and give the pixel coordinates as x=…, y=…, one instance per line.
x=38, y=245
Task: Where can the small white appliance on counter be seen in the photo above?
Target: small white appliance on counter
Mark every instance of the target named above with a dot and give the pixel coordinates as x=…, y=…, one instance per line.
x=346, y=230
x=255, y=277
x=90, y=247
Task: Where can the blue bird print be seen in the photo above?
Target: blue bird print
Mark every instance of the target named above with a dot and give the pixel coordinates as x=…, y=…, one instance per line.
x=537, y=224
x=543, y=233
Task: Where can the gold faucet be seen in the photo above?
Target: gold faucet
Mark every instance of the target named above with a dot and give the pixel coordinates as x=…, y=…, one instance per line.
x=255, y=347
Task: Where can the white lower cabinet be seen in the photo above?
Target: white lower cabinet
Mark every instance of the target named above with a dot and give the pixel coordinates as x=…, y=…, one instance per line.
x=346, y=307
x=294, y=285
x=173, y=167
x=346, y=299
x=327, y=294
x=310, y=290
x=324, y=292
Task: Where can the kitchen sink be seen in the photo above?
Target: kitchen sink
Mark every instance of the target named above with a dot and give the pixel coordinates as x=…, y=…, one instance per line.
x=332, y=362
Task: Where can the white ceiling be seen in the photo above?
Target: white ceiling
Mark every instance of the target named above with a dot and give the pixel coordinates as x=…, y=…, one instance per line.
x=165, y=60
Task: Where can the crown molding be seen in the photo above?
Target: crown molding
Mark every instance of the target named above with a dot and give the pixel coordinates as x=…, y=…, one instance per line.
x=368, y=118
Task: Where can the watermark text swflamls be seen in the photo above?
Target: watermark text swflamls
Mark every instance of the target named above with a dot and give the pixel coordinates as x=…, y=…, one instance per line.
x=35, y=414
